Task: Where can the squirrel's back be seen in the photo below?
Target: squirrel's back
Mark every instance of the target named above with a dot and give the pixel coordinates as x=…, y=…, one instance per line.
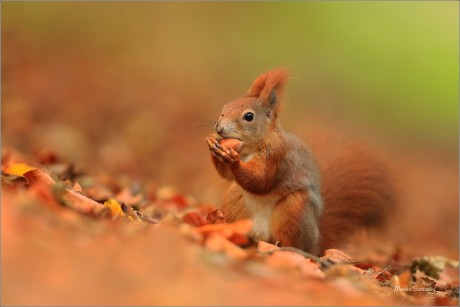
x=301, y=166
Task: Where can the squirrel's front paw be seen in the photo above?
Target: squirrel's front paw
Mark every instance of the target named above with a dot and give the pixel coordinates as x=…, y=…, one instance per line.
x=222, y=153
x=233, y=155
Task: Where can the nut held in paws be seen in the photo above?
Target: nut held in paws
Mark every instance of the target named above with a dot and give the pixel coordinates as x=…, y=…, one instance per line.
x=235, y=144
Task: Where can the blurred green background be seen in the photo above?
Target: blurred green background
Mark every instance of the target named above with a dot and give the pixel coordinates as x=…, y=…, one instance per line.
x=132, y=88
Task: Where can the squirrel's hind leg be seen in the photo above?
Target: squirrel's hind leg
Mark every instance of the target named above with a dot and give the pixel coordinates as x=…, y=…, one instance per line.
x=293, y=223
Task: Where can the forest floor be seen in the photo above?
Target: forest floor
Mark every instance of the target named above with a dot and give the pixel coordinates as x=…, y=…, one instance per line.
x=70, y=238
x=109, y=196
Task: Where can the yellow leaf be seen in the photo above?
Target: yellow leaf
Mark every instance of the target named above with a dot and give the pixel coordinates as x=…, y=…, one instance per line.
x=18, y=169
x=114, y=207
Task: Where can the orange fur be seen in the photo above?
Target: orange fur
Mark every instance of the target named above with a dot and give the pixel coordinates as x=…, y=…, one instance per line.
x=265, y=83
x=278, y=183
x=254, y=176
x=291, y=220
x=357, y=187
x=263, y=86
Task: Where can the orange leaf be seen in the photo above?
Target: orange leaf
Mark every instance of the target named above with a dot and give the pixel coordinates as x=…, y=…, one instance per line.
x=44, y=184
x=264, y=247
x=194, y=218
x=217, y=243
x=242, y=226
x=292, y=261
x=336, y=256
x=239, y=239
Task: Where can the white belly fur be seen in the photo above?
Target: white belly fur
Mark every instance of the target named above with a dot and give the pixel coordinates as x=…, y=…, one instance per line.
x=260, y=208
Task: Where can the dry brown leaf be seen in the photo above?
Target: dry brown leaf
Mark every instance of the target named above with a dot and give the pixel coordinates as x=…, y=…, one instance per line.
x=449, y=276
x=226, y=230
x=99, y=193
x=344, y=270
x=265, y=247
x=125, y=196
x=194, y=218
x=77, y=188
x=190, y=232
x=216, y=217
x=285, y=259
x=165, y=193
x=405, y=279
x=292, y=261
x=309, y=268
x=44, y=185
x=239, y=239
x=205, y=208
x=38, y=176
x=336, y=256
x=216, y=243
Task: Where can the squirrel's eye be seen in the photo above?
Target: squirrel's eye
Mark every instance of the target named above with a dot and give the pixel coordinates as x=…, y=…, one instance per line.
x=248, y=116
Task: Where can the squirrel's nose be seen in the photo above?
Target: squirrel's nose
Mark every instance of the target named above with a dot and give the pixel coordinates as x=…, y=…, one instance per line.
x=219, y=129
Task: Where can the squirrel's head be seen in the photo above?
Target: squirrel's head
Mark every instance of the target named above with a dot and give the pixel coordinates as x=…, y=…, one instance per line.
x=251, y=117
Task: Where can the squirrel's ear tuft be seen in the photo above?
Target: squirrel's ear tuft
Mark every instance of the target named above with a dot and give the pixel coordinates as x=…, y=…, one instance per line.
x=269, y=86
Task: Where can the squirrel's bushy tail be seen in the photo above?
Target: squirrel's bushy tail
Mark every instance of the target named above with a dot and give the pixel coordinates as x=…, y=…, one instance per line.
x=357, y=188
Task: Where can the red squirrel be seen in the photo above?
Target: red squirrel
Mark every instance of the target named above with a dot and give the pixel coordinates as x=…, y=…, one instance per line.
x=311, y=199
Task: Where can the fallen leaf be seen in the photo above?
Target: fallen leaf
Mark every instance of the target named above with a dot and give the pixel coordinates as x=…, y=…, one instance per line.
x=449, y=276
x=284, y=259
x=215, y=217
x=44, y=185
x=165, y=193
x=190, y=232
x=194, y=218
x=81, y=203
x=99, y=193
x=18, y=169
x=431, y=266
x=180, y=201
x=242, y=226
x=343, y=270
x=405, y=278
x=14, y=180
x=265, y=247
x=77, y=188
x=239, y=239
x=114, y=207
x=216, y=243
x=171, y=219
x=336, y=256
x=37, y=175
x=125, y=196
x=288, y=260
